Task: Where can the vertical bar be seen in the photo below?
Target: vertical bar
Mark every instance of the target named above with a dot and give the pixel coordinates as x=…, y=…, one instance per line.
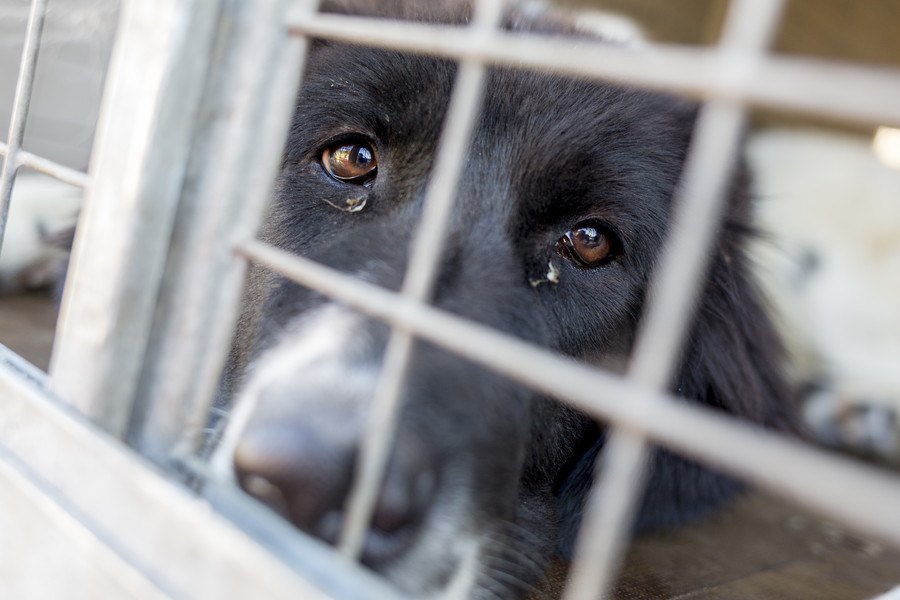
x=677, y=282
x=149, y=113
x=424, y=264
x=21, y=104
x=248, y=106
x=707, y=173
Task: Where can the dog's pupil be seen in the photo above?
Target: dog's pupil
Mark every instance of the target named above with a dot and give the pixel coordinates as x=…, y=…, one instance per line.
x=587, y=235
x=361, y=156
x=349, y=162
x=591, y=245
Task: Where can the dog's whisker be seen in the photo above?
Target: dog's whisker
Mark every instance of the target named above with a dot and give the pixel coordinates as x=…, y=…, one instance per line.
x=508, y=578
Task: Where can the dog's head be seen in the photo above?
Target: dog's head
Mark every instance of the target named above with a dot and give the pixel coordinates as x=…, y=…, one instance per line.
x=559, y=217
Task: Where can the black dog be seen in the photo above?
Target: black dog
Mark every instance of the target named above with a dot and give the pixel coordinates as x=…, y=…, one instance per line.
x=566, y=176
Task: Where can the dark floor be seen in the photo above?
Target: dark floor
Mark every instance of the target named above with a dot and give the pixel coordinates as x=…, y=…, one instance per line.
x=26, y=326
x=760, y=549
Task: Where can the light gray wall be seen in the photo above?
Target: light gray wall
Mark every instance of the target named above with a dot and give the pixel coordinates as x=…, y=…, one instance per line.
x=75, y=49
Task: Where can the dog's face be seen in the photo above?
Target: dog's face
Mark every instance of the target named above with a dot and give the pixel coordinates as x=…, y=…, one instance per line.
x=559, y=216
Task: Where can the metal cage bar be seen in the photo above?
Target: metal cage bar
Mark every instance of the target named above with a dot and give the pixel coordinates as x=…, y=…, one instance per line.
x=674, y=288
x=47, y=167
x=862, y=496
x=14, y=156
x=418, y=284
x=226, y=190
x=831, y=89
x=148, y=260
x=148, y=119
x=21, y=104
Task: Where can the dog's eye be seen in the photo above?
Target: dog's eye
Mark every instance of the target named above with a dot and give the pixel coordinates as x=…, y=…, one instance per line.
x=350, y=162
x=589, y=244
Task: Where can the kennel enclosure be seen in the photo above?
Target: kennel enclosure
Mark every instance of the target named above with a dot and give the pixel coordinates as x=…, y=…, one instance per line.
x=198, y=100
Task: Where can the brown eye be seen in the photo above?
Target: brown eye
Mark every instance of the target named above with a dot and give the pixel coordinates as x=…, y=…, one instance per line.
x=588, y=244
x=350, y=162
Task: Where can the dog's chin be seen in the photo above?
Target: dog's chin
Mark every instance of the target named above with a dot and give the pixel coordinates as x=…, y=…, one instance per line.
x=447, y=565
x=460, y=556
x=443, y=565
x=445, y=561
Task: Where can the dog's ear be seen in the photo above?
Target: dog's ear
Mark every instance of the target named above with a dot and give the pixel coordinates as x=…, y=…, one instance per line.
x=732, y=362
x=733, y=358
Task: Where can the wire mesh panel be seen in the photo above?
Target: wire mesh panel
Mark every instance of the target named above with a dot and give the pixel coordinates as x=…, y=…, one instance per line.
x=734, y=74
x=199, y=101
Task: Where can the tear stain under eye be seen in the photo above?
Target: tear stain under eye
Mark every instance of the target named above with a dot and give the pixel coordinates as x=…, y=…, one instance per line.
x=552, y=276
x=352, y=205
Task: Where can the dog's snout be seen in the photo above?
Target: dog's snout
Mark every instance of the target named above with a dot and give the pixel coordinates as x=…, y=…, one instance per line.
x=306, y=475
x=296, y=470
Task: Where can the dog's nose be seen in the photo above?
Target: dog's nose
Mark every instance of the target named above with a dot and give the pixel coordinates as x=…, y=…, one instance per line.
x=306, y=475
x=295, y=470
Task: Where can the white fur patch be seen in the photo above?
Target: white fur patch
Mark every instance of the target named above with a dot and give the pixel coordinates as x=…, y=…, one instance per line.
x=326, y=338
x=463, y=581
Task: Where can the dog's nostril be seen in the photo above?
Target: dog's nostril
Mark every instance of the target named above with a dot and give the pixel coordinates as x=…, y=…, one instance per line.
x=295, y=471
x=265, y=490
x=306, y=477
x=405, y=497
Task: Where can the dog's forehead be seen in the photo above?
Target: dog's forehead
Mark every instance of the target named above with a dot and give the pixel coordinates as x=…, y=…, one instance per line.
x=534, y=129
x=400, y=97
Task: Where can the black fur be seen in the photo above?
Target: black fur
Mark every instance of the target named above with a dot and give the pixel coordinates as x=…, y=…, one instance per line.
x=548, y=153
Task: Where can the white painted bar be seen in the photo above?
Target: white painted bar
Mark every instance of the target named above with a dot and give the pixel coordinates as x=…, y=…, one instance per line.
x=839, y=90
x=863, y=497
x=701, y=199
x=47, y=167
x=148, y=117
x=21, y=104
x=424, y=264
x=246, y=110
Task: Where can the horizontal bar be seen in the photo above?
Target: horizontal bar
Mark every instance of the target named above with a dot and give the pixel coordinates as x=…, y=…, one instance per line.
x=862, y=496
x=838, y=90
x=173, y=539
x=51, y=540
x=47, y=167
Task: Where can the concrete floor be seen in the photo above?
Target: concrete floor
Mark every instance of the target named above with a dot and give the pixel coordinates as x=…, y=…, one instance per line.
x=759, y=549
